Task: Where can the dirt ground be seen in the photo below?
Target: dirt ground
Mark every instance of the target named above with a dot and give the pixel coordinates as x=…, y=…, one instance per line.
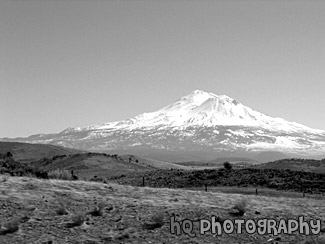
x=56, y=211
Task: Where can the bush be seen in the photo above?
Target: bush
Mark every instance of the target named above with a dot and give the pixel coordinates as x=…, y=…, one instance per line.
x=61, y=210
x=98, y=210
x=227, y=165
x=239, y=208
x=10, y=227
x=13, y=225
x=76, y=220
x=15, y=168
x=158, y=221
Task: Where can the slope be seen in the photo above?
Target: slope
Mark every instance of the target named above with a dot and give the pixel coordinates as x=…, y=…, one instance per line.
x=101, y=165
x=27, y=152
x=307, y=165
x=136, y=214
x=198, y=126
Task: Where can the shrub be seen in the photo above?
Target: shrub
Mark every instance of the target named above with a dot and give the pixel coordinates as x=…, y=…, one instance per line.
x=158, y=221
x=76, y=220
x=239, y=208
x=61, y=210
x=158, y=217
x=98, y=210
x=14, y=168
x=10, y=227
x=227, y=165
x=13, y=225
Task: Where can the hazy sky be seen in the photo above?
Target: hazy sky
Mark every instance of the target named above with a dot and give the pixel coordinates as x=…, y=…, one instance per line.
x=77, y=63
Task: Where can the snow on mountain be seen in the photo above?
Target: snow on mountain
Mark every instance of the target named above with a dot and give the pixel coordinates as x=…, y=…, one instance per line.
x=201, y=108
x=198, y=122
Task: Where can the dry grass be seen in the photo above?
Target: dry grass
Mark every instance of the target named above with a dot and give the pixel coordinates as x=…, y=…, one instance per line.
x=4, y=178
x=198, y=212
x=315, y=240
x=60, y=174
x=140, y=214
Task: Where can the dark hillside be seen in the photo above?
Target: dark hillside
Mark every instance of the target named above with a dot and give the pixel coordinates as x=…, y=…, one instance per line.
x=308, y=165
x=249, y=177
x=89, y=165
x=27, y=152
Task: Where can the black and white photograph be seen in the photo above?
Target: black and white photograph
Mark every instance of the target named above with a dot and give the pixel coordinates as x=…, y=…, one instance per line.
x=162, y=121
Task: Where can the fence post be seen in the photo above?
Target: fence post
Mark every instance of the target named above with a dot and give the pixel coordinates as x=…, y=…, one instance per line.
x=256, y=191
x=143, y=181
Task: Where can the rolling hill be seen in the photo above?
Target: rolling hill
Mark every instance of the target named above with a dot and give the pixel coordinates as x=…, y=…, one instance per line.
x=100, y=165
x=300, y=164
x=27, y=152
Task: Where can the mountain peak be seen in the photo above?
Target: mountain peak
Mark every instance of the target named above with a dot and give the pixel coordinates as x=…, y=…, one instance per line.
x=200, y=108
x=198, y=121
x=200, y=95
x=203, y=109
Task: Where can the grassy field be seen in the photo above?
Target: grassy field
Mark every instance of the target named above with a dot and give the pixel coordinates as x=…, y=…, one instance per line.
x=284, y=180
x=89, y=165
x=260, y=191
x=56, y=211
x=307, y=165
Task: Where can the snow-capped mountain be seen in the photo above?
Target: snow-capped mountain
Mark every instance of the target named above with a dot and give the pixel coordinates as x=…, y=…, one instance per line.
x=200, y=108
x=199, y=123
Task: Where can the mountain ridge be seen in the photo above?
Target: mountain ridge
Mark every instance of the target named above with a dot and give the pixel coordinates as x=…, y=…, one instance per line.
x=200, y=122
x=201, y=108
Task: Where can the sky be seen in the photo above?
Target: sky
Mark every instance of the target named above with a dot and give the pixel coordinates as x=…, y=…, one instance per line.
x=67, y=63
